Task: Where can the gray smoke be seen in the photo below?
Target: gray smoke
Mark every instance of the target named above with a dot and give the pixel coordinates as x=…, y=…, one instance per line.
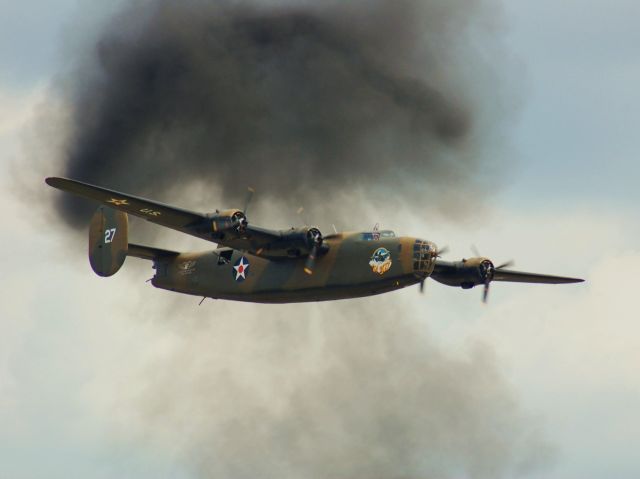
x=299, y=100
x=347, y=390
x=304, y=101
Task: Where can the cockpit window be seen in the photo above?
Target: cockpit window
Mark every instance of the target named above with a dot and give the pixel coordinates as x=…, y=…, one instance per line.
x=376, y=235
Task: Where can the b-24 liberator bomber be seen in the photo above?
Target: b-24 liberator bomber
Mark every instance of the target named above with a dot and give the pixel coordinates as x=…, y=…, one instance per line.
x=275, y=266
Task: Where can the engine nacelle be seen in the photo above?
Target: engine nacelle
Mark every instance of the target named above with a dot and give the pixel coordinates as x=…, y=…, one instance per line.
x=294, y=243
x=464, y=274
x=228, y=221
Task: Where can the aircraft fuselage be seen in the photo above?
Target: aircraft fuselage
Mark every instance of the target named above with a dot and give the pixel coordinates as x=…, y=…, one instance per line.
x=354, y=265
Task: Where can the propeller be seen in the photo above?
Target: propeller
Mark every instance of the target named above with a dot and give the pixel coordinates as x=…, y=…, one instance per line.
x=427, y=251
x=506, y=264
x=239, y=220
x=433, y=252
x=485, y=292
x=314, y=237
x=441, y=251
x=302, y=216
x=248, y=198
x=487, y=271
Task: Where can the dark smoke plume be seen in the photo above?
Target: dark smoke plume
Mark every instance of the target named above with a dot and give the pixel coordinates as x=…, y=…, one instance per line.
x=303, y=101
x=298, y=100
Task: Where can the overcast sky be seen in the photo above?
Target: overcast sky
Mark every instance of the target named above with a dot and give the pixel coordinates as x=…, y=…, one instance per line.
x=80, y=356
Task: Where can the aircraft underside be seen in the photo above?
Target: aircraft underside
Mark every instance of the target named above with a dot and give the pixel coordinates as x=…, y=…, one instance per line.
x=234, y=275
x=301, y=295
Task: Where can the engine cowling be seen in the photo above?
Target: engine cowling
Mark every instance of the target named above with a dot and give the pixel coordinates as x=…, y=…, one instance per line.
x=466, y=273
x=314, y=238
x=295, y=243
x=234, y=221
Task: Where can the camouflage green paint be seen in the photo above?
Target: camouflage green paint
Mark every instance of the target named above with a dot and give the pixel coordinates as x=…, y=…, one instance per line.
x=343, y=272
x=108, y=241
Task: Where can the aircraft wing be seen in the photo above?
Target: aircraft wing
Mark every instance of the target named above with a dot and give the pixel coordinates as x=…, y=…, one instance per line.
x=520, y=277
x=175, y=218
x=218, y=228
x=252, y=239
x=478, y=271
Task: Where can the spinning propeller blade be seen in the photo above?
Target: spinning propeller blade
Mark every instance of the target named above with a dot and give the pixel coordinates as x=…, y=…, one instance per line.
x=250, y=192
x=311, y=260
x=506, y=264
x=315, y=238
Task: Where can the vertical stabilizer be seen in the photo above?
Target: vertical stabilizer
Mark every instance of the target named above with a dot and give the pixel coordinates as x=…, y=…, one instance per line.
x=108, y=241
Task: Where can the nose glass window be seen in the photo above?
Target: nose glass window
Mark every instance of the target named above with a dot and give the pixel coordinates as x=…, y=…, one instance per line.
x=422, y=255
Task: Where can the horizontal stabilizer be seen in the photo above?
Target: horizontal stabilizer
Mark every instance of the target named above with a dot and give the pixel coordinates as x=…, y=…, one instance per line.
x=519, y=277
x=148, y=252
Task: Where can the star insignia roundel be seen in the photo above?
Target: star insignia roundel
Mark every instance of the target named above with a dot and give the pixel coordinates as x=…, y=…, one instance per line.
x=241, y=269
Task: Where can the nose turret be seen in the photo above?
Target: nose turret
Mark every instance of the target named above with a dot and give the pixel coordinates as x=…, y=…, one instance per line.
x=424, y=256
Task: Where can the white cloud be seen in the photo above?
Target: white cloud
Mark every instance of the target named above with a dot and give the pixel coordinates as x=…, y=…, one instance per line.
x=572, y=351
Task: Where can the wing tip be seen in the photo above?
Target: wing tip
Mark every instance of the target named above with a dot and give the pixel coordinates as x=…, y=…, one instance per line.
x=522, y=277
x=565, y=280
x=54, y=181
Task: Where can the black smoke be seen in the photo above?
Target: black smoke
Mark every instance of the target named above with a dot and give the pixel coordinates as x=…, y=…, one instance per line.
x=303, y=101
x=298, y=100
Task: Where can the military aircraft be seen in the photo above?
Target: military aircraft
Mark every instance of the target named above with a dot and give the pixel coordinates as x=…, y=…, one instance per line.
x=275, y=266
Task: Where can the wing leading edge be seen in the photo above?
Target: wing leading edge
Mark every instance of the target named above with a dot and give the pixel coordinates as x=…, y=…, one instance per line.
x=252, y=238
x=520, y=277
x=178, y=219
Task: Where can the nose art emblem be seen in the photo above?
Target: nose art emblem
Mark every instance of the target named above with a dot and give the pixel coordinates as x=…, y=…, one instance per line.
x=380, y=261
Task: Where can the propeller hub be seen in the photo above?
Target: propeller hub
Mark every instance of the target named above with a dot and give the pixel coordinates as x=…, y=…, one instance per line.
x=314, y=237
x=239, y=220
x=487, y=270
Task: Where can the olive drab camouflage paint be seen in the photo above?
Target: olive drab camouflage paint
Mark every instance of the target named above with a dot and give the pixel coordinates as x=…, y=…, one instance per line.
x=108, y=241
x=344, y=271
x=274, y=266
